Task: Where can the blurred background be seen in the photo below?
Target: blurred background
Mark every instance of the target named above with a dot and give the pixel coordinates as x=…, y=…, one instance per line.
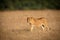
x=13, y=21
x=29, y=4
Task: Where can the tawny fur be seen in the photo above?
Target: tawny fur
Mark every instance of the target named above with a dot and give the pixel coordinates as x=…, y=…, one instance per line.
x=37, y=22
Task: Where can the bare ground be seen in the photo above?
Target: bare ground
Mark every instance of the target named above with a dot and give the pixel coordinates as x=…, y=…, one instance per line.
x=13, y=25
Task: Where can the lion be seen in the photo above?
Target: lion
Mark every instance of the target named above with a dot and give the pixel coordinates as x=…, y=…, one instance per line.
x=37, y=22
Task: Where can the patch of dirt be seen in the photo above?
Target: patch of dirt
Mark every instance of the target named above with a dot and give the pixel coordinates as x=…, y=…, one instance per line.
x=13, y=25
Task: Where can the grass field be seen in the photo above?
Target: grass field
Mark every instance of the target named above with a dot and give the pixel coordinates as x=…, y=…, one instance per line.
x=13, y=25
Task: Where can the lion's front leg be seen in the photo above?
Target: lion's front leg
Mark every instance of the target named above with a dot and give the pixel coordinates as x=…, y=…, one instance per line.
x=32, y=27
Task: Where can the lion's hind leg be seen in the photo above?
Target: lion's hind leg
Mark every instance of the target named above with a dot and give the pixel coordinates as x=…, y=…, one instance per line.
x=43, y=27
x=46, y=26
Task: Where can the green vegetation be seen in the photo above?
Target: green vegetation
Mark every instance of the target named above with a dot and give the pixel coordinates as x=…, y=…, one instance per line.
x=29, y=4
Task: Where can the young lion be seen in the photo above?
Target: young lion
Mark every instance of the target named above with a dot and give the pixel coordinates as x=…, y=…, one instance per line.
x=37, y=22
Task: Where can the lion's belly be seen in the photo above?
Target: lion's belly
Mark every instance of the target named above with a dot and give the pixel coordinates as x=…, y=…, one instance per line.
x=38, y=24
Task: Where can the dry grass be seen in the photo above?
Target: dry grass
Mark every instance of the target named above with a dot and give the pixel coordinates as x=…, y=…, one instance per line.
x=13, y=25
